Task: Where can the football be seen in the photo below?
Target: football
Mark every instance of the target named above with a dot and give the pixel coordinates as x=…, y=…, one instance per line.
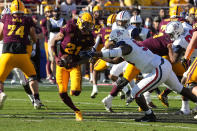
x=68, y=61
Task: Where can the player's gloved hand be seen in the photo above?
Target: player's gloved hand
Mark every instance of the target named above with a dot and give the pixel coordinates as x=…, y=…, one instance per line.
x=59, y=62
x=186, y=63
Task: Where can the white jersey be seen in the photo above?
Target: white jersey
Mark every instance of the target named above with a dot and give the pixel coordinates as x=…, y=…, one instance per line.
x=184, y=39
x=142, y=58
x=55, y=23
x=143, y=34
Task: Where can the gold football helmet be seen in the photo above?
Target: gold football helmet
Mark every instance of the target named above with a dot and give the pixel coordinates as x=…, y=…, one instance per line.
x=97, y=8
x=85, y=21
x=17, y=6
x=27, y=11
x=111, y=19
x=48, y=8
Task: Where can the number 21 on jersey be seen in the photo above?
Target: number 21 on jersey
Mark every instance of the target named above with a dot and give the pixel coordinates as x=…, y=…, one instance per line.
x=19, y=31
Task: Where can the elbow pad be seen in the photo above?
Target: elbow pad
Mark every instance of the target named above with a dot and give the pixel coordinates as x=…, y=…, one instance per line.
x=115, y=52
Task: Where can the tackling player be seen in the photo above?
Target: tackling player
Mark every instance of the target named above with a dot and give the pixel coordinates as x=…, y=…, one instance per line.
x=157, y=70
x=75, y=36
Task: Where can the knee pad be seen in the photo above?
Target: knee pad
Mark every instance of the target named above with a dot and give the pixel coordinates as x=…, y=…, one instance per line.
x=75, y=93
x=121, y=82
x=32, y=78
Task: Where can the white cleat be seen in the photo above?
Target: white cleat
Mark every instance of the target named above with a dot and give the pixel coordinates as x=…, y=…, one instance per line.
x=195, y=117
x=94, y=91
x=3, y=97
x=107, y=103
x=37, y=104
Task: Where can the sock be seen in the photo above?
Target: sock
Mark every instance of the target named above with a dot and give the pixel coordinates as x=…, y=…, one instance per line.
x=125, y=89
x=166, y=92
x=27, y=89
x=95, y=88
x=185, y=106
x=91, y=76
x=147, y=97
x=148, y=112
x=115, y=90
x=36, y=96
x=67, y=100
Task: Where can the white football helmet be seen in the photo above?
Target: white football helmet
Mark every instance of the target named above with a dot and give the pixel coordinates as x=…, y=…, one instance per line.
x=174, y=29
x=118, y=35
x=136, y=19
x=123, y=16
x=5, y=11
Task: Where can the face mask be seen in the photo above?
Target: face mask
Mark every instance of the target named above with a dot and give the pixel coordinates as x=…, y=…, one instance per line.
x=147, y=24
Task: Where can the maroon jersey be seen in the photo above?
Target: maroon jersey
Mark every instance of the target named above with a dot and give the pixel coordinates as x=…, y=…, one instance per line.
x=16, y=29
x=157, y=45
x=74, y=41
x=163, y=23
x=43, y=24
x=105, y=34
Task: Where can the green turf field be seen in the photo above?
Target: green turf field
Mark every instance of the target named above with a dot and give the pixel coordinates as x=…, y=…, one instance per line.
x=18, y=113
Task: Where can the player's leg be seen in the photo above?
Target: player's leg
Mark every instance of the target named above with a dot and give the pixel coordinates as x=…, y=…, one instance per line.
x=149, y=82
x=62, y=77
x=6, y=66
x=100, y=65
x=24, y=63
x=25, y=83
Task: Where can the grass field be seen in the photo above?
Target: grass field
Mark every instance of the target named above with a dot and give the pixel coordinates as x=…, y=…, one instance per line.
x=18, y=113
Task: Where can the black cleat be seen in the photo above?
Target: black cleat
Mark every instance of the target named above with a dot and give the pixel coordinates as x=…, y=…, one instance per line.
x=147, y=118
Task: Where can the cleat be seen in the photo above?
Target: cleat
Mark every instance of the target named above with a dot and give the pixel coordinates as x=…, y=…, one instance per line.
x=164, y=100
x=147, y=118
x=195, y=117
x=3, y=97
x=180, y=112
x=87, y=77
x=151, y=105
x=78, y=116
x=93, y=94
x=107, y=103
x=122, y=96
x=37, y=104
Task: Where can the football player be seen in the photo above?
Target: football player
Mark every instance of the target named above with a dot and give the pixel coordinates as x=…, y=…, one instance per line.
x=53, y=27
x=15, y=28
x=43, y=24
x=182, y=37
x=100, y=64
x=192, y=75
x=75, y=36
x=156, y=69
